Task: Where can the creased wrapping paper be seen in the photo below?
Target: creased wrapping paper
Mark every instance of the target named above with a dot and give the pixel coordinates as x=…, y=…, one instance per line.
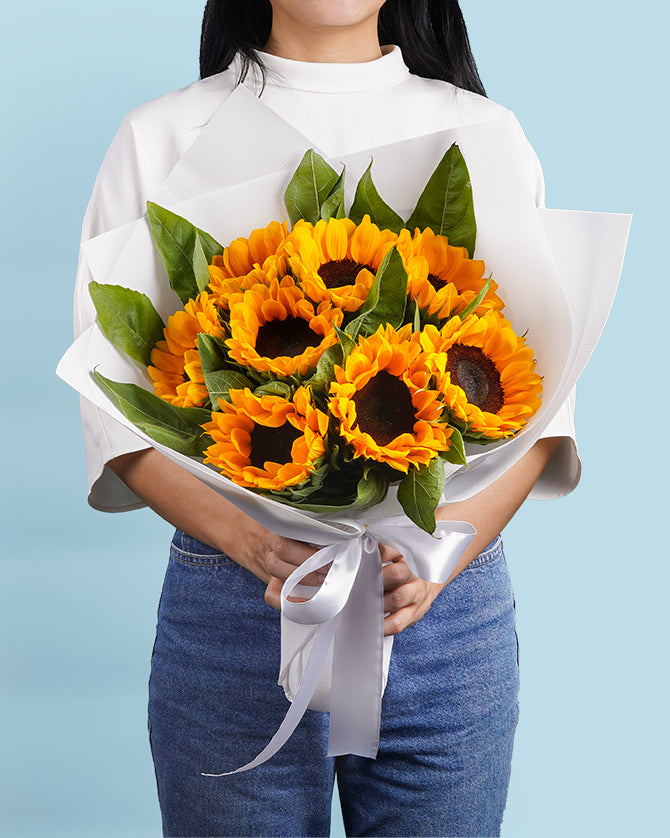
x=557, y=272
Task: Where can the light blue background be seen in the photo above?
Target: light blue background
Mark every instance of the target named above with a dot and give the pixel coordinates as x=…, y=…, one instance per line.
x=79, y=589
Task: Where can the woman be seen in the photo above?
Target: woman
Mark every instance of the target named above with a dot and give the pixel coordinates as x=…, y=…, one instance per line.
x=450, y=708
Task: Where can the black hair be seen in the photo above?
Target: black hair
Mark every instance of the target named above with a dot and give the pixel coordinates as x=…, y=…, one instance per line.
x=430, y=33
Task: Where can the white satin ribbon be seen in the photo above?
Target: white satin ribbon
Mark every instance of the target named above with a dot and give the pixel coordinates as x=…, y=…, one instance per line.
x=347, y=612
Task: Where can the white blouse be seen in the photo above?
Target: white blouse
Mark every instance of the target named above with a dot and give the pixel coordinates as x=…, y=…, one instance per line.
x=340, y=108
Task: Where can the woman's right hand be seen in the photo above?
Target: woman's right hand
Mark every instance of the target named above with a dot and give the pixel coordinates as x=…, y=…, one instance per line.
x=188, y=504
x=270, y=557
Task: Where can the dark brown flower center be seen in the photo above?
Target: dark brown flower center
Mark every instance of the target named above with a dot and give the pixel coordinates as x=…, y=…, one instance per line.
x=436, y=282
x=285, y=337
x=477, y=375
x=272, y=444
x=341, y=272
x=384, y=408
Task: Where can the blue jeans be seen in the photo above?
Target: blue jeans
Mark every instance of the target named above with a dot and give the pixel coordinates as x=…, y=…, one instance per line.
x=448, y=715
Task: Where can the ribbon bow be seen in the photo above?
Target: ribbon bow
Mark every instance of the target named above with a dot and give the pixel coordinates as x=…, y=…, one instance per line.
x=346, y=613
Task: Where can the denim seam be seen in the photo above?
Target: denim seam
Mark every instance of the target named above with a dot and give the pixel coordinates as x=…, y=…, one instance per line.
x=488, y=555
x=213, y=555
x=220, y=560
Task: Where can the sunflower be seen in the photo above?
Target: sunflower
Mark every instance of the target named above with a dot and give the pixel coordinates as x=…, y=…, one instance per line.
x=381, y=398
x=275, y=329
x=266, y=442
x=486, y=373
x=230, y=272
x=175, y=363
x=336, y=260
x=441, y=278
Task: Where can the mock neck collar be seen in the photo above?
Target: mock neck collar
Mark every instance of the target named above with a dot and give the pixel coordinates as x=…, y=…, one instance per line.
x=319, y=77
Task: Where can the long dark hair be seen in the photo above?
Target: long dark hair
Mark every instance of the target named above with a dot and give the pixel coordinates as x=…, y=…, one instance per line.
x=430, y=33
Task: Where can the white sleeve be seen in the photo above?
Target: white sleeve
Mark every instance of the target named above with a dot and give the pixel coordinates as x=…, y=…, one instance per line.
x=562, y=472
x=116, y=200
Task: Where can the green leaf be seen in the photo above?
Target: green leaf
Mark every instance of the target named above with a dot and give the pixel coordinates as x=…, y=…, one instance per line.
x=212, y=355
x=456, y=454
x=128, y=320
x=219, y=383
x=177, y=427
x=182, y=247
x=334, y=457
x=309, y=187
x=386, y=300
x=325, y=369
x=371, y=490
x=333, y=206
x=346, y=341
x=367, y=201
x=219, y=379
x=275, y=388
x=477, y=300
x=419, y=494
x=200, y=264
x=334, y=356
x=446, y=205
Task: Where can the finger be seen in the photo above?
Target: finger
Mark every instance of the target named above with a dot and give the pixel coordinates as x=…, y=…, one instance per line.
x=399, y=620
x=402, y=596
x=278, y=567
x=396, y=574
x=285, y=555
x=282, y=571
x=389, y=554
x=273, y=593
x=290, y=551
x=315, y=579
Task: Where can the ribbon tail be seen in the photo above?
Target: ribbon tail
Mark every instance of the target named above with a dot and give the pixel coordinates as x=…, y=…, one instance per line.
x=357, y=684
x=322, y=640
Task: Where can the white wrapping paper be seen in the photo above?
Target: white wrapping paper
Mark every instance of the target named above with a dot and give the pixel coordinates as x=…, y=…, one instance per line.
x=557, y=271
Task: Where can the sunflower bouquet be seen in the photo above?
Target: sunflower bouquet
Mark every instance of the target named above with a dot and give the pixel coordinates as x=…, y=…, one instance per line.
x=319, y=362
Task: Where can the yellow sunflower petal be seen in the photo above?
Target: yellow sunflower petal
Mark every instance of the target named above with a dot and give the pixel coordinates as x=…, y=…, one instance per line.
x=441, y=278
x=266, y=442
x=337, y=260
x=382, y=412
x=486, y=373
x=275, y=328
x=175, y=369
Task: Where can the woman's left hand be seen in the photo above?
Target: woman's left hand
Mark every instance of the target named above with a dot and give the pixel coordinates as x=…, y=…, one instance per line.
x=406, y=596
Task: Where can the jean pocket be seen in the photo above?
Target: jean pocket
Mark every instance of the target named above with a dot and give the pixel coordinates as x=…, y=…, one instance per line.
x=493, y=552
x=188, y=550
